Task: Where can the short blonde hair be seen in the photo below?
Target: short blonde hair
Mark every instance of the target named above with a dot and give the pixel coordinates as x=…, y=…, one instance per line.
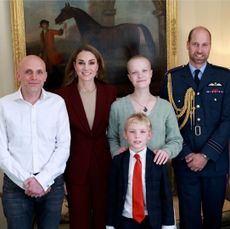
x=138, y=118
x=138, y=57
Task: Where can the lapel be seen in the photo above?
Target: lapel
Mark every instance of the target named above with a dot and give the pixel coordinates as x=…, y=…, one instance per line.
x=77, y=105
x=79, y=111
x=149, y=175
x=187, y=77
x=125, y=169
x=148, y=166
x=207, y=76
x=99, y=108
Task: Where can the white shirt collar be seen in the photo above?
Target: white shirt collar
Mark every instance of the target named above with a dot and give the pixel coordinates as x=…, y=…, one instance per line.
x=18, y=95
x=142, y=153
x=192, y=69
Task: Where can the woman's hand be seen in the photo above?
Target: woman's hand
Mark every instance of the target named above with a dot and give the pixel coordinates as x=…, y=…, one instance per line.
x=161, y=156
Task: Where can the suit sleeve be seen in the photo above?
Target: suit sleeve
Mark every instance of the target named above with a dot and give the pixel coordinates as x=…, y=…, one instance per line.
x=166, y=199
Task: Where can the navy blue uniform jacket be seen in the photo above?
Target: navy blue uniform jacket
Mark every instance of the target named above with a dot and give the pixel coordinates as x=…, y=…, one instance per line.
x=212, y=115
x=158, y=192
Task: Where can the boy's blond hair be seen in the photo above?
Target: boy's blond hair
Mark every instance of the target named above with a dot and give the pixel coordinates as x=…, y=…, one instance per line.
x=138, y=118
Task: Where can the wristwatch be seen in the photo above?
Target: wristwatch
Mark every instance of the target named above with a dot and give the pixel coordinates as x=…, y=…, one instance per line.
x=205, y=156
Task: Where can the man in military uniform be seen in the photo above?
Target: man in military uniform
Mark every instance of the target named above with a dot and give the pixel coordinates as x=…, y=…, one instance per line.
x=200, y=95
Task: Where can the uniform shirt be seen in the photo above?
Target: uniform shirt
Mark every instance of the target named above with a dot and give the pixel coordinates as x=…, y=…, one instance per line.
x=35, y=139
x=127, y=211
x=193, y=69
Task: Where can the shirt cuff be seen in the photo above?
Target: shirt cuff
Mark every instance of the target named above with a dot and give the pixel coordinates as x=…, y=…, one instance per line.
x=168, y=227
x=109, y=227
x=41, y=178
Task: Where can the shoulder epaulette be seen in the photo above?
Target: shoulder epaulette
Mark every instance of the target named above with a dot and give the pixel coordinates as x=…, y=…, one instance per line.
x=174, y=69
x=220, y=67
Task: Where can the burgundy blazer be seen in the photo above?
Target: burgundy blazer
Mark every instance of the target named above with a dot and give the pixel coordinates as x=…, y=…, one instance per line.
x=88, y=145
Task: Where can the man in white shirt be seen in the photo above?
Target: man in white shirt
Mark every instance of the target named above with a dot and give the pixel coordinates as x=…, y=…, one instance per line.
x=34, y=148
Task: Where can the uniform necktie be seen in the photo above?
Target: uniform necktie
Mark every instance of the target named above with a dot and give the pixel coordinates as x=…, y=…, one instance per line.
x=196, y=78
x=137, y=192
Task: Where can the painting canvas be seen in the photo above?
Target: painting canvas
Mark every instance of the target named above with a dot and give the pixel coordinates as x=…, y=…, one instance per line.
x=118, y=29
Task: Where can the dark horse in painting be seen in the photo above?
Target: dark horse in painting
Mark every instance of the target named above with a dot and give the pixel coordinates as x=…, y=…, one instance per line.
x=116, y=43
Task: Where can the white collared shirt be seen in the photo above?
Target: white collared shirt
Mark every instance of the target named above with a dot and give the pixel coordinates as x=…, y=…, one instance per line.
x=33, y=138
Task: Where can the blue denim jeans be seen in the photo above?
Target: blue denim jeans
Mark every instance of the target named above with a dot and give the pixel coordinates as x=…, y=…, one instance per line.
x=21, y=210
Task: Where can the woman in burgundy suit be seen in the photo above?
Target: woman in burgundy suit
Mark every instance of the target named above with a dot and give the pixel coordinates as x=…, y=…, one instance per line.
x=88, y=100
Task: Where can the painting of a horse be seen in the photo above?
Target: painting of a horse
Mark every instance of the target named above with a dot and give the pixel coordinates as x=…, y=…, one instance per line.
x=116, y=43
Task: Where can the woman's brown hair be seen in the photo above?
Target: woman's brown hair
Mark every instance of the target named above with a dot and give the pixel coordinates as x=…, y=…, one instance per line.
x=70, y=73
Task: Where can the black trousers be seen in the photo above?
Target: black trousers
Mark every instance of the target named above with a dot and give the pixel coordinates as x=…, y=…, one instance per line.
x=196, y=194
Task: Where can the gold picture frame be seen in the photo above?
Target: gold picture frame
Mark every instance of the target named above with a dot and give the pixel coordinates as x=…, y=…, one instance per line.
x=18, y=31
x=19, y=41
